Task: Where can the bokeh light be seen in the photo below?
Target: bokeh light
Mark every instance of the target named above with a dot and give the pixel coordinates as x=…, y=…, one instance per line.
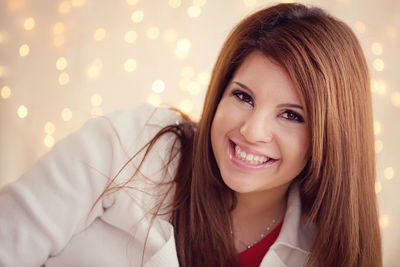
x=58, y=28
x=66, y=114
x=64, y=7
x=174, y=3
x=153, y=33
x=24, y=50
x=78, y=3
x=389, y=173
x=378, y=187
x=130, y=36
x=96, y=100
x=22, y=111
x=378, y=146
x=49, y=141
x=132, y=2
x=130, y=65
x=158, y=86
x=377, y=128
x=29, y=23
x=194, y=11
x=182, y=48
x=137, y=16
x=49, y=127
x=359, y=26
x=5, y=92
x=378, y=64
x=63, y=78
x=395, y=98
x=61, y=63
x=95, y=69
x=377, y=49
x=99, y=34
x=384, y=221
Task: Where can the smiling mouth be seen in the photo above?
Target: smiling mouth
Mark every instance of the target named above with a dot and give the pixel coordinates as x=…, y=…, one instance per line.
x=249, y=158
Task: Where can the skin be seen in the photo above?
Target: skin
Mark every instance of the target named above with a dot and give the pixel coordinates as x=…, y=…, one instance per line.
x=260, y=111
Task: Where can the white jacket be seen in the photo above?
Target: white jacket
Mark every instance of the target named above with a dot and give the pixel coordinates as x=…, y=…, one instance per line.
x=46, y=217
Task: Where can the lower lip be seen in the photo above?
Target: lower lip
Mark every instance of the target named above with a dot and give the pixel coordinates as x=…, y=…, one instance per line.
x=244, y=164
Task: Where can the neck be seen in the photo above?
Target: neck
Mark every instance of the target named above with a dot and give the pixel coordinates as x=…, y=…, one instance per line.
x=259, y=205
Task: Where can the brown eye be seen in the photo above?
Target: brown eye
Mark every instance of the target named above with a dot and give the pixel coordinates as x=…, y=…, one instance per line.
x=292, y=116
x=243, y=97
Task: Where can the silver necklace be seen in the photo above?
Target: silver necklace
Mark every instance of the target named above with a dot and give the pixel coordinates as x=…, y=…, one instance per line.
x=263, y=234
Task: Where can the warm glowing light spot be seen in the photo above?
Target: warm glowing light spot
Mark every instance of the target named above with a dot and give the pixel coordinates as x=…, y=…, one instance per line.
x=377, y=128
x=48, y=141
x=130, y=65
x=154, y=99
x=170, y=35
x=78, y=3
x=63, y=78
x=187, y=72
x=95, y=69
x=5, y=92
x=66, y=114
x=384, y=221
x=153, y=33
x=99, y=34
x=61, y=63
x=194, y=88
x=22, y=111
x=377, y=49
x=203, y=78
x=199, y=2
x=378, y=87
x=49, y=127
x=130, y=37
x=378, y=187
x=58, y=40
x=379, y=64
x=378, y=146
x=395, y=98
x=194, y=11
x=158, y=86
x=388, y=173
x=250, y=3
x=174, y=3
x=58, y=28
x=96, y=100
x=29, y=24
x=64, y=7
x=24, y=50
x=360, y=27
x=182, y=48
x=96, y=112
x=132, y=2
x=137, y=16
x=186, y=106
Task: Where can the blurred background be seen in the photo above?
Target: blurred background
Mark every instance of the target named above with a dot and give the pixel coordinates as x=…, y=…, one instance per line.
x=65, y=61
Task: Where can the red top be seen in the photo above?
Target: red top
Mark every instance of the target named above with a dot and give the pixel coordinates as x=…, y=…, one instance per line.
x=253, y=256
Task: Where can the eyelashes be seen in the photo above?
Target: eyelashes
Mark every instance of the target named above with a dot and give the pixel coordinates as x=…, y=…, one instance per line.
x=288, y=114
x=243, y=97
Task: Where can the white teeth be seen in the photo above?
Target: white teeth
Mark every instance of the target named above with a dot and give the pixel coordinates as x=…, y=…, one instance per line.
x=248, y=157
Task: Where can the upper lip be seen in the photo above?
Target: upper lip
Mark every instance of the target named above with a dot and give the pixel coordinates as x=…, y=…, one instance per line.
x=250, y=150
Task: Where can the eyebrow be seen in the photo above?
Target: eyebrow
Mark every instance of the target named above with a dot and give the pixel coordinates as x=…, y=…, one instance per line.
x=279, y=106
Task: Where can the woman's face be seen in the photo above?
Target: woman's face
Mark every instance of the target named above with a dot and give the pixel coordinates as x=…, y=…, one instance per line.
x=258, y=135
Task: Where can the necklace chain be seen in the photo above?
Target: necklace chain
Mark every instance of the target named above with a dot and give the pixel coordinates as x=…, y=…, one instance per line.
x=263, y=234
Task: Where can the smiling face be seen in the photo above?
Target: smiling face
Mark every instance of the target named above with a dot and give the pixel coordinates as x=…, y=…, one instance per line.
x=258, y=135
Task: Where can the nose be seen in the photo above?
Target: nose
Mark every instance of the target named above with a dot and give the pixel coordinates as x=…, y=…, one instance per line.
x=257, y=128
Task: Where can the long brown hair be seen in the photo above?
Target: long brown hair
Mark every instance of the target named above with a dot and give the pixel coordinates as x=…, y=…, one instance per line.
x=325, y=62
x=324, y=59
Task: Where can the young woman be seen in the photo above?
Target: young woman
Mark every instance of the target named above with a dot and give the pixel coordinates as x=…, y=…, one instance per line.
x=279, y=171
